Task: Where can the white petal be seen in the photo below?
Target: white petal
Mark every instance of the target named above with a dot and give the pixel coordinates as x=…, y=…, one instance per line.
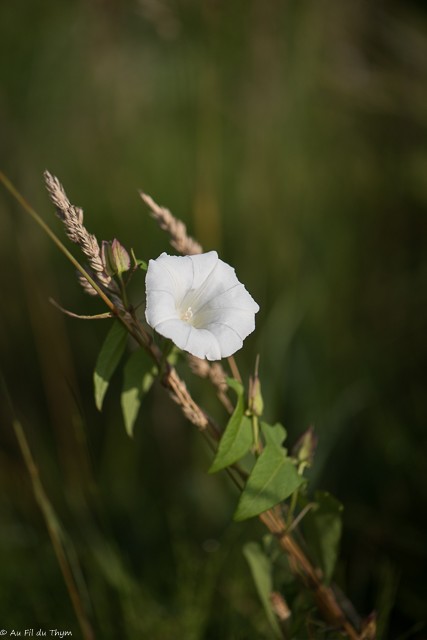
x=161, y=306
x=241, y=321
x=203, y=344
x=203, y=266
x=228, y=338
x=213, y=277
x=199, y=342
x=170, y=273
x=236, y=297
x=177, y=330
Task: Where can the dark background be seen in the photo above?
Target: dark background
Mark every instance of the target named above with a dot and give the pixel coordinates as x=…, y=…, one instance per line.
x=292, y=138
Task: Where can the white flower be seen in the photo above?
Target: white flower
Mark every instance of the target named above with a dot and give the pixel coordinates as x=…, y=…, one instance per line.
x=198, y=302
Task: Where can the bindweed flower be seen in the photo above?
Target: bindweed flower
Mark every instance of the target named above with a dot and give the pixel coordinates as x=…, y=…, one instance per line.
x=198, y=302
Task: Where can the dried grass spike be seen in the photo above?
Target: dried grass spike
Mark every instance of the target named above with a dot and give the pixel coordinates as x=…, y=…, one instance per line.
x=216, y=374
x=199, y=366
x=86, y=285
x=176, y=229
x=72, y=217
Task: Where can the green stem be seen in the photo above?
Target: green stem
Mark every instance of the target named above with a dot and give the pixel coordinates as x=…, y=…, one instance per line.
x=123, y=291
x=255, y=432
x=292, y=507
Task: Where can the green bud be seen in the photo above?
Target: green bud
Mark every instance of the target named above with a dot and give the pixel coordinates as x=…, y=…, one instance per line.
x=256, y=402
x=305, y=447
x=115, y=258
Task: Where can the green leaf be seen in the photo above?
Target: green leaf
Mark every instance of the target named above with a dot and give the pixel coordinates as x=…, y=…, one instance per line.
x=261, y=570
x=273, y=479
x=237, y=438
x=322, y=527
x=273, y=434
x=108, y=359
x=236, y=441
x=141, y=264
x=138, y=376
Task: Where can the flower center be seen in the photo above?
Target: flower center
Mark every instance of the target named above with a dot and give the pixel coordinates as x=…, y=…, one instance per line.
x=187, y=316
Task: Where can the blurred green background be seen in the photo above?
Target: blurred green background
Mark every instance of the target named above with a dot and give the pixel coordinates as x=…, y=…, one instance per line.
x=292, y=138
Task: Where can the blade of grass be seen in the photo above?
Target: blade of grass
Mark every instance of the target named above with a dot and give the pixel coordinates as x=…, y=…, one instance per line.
x=53, y=525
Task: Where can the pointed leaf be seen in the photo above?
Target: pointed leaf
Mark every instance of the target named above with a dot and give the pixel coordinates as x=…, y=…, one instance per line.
x=237, y=438
x=261, y=569
x=322, y=528
x=138, y=376
x=273, y=434
x=236, y=441
x=273, y=479
x=108, y=359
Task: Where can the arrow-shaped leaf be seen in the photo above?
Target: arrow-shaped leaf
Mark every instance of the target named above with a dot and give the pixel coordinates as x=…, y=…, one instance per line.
x=108, y=359
x=273, y=479
x=237, y=438
x=273, y=434
x=322, y=527
x=261, y=569
x=138, y=376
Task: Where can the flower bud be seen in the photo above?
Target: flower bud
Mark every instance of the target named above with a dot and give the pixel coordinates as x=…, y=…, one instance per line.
x=305, y=447
x=256, y=402
x=115, y=258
